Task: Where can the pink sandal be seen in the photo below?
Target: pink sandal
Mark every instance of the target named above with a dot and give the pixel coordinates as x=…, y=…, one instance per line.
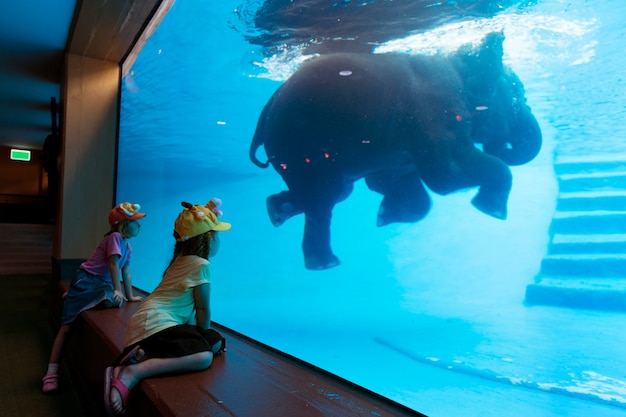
x=131, y=357
x=111, y=382
x=50, y=383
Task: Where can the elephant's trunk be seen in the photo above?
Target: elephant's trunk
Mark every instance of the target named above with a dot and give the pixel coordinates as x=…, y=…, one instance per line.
x=524, y=141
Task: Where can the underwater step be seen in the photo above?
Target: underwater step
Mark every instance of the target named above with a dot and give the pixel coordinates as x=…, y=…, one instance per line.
x=592, y=200
x=594, y=221
x=587, y=248
x=588, y=244
x=607, y=243
x=589, y=181
x=589, y=165
x=585, y=265
x=583, y=293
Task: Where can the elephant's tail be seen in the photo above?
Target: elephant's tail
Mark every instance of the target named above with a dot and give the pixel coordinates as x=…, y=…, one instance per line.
x=257, y=141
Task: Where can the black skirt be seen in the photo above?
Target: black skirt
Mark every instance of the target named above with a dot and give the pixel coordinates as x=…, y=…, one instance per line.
x=178, y=341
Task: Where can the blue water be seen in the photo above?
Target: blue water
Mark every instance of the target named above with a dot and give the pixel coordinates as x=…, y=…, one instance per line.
x=430, y=314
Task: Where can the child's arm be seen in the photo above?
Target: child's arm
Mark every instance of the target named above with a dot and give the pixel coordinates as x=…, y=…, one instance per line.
x=114, y=269
x=128, y=284
x=201, y=297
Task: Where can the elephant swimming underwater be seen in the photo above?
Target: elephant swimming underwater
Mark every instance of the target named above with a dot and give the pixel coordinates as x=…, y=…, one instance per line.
x=399, y=122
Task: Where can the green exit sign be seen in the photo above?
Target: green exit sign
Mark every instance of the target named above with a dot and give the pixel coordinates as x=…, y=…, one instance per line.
x=20, y=155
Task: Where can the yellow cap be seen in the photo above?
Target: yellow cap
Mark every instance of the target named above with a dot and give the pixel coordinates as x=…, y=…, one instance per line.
x=197, y=219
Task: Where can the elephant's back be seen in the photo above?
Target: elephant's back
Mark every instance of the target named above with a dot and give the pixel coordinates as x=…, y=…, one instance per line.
x=338, y=98
x=352, y=70
x=349, y=101
x=341, y=86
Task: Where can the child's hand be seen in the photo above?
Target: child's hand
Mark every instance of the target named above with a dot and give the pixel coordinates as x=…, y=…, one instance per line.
x=135, y=298
x=118, y=298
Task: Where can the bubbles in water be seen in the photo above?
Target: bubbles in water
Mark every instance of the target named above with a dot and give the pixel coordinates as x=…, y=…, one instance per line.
x=281, y=65
x=529, y=38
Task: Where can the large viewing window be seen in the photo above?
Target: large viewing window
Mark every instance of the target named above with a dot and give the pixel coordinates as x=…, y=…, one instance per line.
x=442, y=217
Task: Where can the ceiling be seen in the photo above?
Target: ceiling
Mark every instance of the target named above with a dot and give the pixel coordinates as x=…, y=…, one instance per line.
x=35, y=35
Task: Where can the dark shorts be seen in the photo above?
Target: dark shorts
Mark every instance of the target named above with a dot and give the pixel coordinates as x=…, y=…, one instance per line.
x=178, y=341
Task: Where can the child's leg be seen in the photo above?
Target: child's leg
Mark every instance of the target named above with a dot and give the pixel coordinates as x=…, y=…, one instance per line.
x=131, y=375
x=51, y=378
x=59, y=343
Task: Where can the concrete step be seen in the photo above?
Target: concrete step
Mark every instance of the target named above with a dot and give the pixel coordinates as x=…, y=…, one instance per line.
x=592, y=181
x=593, y=222
x=18, y=245
x=25, y=248
x=595, y=293
x=585, y=165
x=585, y=265
x=21, y=267
x=586, y=262
x=606, y=200
x=587, y=244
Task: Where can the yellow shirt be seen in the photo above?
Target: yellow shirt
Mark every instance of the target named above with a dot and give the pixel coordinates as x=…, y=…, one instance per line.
x=171, y=303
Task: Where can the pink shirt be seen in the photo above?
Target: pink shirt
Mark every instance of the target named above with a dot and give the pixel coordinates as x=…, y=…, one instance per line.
x=113, y=244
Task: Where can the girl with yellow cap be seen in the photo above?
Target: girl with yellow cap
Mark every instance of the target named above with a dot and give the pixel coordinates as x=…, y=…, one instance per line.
x=170, y=332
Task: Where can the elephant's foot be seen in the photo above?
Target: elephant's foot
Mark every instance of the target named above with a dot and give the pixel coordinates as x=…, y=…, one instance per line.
x=387, y=216
x=493, y=206
x=319, y=263
x=408, y=208
x=279, y=209
x=400, y=213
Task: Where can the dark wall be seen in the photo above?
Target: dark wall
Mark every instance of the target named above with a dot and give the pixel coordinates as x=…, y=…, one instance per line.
x=24, y=190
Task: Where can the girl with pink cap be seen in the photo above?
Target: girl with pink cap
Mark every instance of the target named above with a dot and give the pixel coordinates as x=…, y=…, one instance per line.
x=98, y=281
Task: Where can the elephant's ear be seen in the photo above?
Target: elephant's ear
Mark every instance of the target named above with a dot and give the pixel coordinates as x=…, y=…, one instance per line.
x=480, y=67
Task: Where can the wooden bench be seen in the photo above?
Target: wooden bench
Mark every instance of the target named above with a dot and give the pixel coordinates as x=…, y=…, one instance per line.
x=249, y=380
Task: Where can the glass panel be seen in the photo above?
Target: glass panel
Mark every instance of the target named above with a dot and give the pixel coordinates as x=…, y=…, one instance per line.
x=464, y=291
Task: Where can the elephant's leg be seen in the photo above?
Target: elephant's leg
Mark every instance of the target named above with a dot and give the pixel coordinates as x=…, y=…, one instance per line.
x=473, y=168
x=494, y=181
x=404, y=197
x=316, y=248
x=281, y=207
x=494, y=184
x=315, y=195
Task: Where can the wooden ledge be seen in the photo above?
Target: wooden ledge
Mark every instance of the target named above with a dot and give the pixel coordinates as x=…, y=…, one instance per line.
x=249, y=380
